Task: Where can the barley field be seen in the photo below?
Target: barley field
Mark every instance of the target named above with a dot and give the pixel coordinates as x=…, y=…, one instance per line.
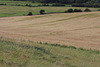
x=71, y=29
x=55, y=39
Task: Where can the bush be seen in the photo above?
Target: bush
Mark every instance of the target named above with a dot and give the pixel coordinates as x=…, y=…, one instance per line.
x=39, y=5
x=87, y=10
x=80, y=10
x=26, y=5
x=58, y=5
x=29, y=5
x=42, y=11
x=30, y=13
x=3, y=4
x=70, y=10
x=77, y=10
x=78, y=5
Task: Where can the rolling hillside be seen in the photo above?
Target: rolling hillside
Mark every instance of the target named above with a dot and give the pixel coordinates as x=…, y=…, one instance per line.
x=57, y=38
x=77, y=29
x=28, y=54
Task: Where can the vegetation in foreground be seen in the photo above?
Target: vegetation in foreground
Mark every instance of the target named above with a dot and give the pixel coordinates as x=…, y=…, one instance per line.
x=29, y=54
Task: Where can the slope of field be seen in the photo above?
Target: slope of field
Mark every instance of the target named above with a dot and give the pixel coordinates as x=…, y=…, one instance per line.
x=31, y=54
x=77, y=29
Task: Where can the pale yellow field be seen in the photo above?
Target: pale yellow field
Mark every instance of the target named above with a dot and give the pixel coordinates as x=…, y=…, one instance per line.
x=76, y=29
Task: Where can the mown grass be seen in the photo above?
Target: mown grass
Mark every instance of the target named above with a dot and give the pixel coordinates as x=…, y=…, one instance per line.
x=31, y=54
x=9, y=2
x=8, y=10
x=18, y=2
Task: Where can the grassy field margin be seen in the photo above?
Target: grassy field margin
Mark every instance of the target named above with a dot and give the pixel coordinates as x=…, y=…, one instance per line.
x=28, y=53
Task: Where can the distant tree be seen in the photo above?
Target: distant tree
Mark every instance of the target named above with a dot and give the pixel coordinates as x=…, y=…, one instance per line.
x=87, y=10
x=26, y=5
x=42, y=11
x=77, y=10
x=74, y=3
x=29, y=14
x=70, y=10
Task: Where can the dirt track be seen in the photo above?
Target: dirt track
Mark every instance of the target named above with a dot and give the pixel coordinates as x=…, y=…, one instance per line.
x=77, y=29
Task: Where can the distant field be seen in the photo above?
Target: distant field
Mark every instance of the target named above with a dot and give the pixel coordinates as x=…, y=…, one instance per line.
x=18, y=2
x=6, y=11
x=31, y=54
x=23, y=3
x=77, y=29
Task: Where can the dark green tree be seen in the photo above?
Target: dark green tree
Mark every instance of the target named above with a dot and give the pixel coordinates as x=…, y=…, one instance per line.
x=42, y=11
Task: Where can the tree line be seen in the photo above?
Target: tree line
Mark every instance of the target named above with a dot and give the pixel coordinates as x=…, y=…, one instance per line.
x=74, y=3
x=62, y=1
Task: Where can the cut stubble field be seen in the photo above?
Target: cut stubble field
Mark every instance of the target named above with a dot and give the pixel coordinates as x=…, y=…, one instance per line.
x=71, y=29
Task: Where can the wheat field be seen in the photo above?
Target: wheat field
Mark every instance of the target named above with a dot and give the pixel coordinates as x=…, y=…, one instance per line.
x=71, y=29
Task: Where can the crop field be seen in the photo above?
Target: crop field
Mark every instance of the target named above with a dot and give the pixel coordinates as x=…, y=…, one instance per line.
x=71, y=29
x=53, y=39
